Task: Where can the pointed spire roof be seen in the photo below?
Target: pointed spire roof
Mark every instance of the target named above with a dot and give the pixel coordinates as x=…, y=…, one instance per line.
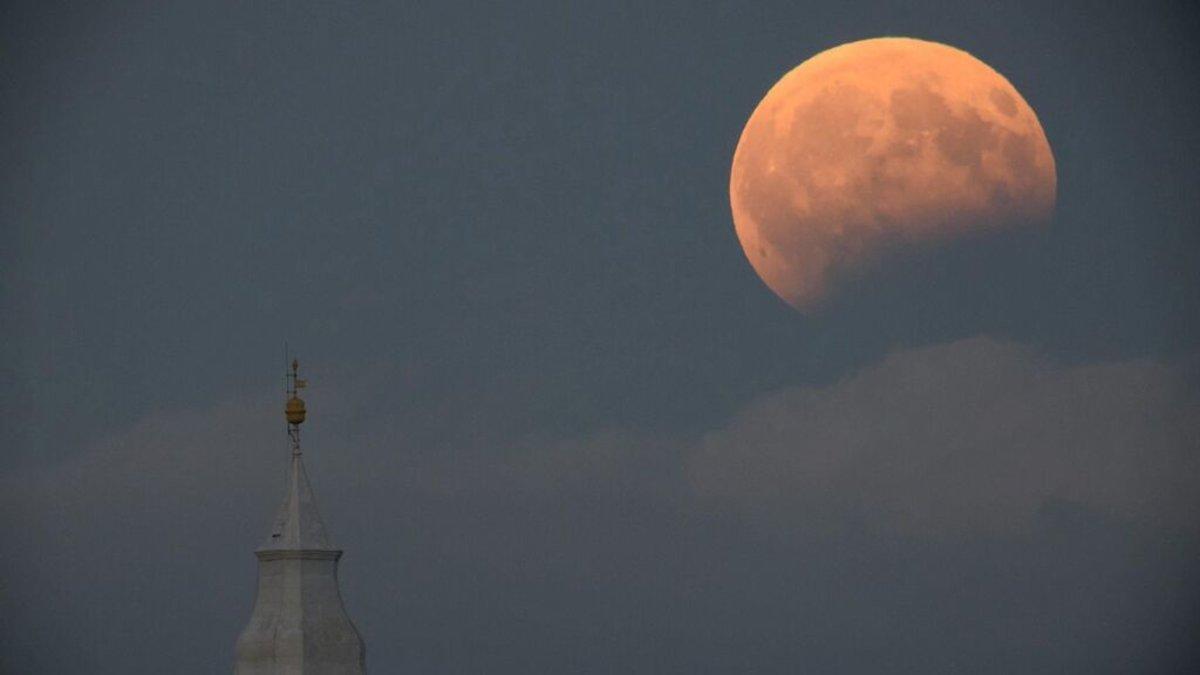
x=298, y=525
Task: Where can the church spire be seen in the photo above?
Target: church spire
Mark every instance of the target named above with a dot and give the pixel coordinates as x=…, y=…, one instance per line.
x=298, y=525
x=298, y=625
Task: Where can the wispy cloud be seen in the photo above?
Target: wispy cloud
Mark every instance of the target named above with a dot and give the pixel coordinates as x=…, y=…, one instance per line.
x=978, y=434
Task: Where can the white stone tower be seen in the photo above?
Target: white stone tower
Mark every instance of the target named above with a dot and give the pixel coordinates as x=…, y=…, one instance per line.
x=299, y=626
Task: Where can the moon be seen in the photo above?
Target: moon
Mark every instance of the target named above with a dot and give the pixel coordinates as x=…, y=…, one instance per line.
x=878, y=146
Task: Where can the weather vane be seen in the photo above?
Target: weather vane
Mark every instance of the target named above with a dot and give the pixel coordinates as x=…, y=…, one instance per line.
x=294, y=411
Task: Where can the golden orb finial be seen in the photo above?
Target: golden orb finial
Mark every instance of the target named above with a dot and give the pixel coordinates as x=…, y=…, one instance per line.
x=294, y=411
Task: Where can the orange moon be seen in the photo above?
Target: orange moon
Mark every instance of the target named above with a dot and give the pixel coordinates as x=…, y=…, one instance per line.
x=876, y=146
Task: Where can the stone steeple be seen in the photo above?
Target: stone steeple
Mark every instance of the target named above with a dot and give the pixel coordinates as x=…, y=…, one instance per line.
x=298, y=525
x=298, y=626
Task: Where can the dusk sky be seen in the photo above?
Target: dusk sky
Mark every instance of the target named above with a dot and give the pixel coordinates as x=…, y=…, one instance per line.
x=556, y=420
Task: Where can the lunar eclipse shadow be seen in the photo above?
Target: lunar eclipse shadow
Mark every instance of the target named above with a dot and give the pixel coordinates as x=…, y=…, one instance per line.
x=979, y=282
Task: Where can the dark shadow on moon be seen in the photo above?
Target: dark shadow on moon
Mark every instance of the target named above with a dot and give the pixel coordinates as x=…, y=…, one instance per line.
x=909, y=295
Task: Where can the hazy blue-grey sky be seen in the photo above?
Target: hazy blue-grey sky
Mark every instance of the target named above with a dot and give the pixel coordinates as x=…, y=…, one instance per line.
x=557, y=422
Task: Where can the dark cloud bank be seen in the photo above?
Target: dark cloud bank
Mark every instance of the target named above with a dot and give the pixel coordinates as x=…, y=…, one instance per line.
x=971, y=507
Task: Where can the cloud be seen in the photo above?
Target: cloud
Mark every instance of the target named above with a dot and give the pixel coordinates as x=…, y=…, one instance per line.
x=974, y=435
x=500, y=533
